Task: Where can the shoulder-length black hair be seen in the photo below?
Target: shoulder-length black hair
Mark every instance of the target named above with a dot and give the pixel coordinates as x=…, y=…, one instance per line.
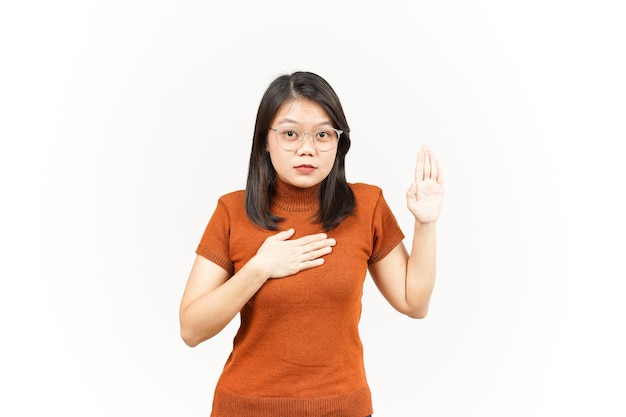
x=335, y=196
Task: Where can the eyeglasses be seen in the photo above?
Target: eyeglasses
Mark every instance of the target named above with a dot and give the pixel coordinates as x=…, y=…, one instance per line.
x=291, y=139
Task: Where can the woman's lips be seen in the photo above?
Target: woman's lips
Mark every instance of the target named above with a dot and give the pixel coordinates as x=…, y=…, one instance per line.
x=305, y=168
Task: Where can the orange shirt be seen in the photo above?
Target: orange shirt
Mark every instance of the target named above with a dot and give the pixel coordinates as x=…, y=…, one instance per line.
x=298, y=351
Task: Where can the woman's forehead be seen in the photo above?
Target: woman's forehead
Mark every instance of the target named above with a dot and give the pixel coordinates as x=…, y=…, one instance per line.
x=301, y=111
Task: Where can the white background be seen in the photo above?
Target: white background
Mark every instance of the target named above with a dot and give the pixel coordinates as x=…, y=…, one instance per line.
x=122, y=122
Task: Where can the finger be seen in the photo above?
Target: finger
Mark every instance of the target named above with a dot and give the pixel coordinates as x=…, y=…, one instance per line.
x=318, y=245
x=314, y=245
x=305, y=240
x=434, y=166
x=439, y=174
x=311, y=264
x=315, y=254
x=410, y=193
x=427, y=163
x=419, y=167
x=283, y=235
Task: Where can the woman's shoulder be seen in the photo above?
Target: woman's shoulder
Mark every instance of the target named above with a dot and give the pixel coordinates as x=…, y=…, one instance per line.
x=233, y=198
x=366, y=194
x=365, y=190
x=233, y=195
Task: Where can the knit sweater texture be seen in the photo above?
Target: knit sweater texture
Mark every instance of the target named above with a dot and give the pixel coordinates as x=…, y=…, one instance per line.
x=298, y=351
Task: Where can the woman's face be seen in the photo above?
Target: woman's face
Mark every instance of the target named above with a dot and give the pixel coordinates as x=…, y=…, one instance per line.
x=305, y=166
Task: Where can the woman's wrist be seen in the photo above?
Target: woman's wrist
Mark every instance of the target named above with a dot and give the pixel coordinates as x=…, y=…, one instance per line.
x=424, y=227
x=257, y=269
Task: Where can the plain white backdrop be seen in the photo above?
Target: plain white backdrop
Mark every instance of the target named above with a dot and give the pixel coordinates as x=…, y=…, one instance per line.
x=122, y=122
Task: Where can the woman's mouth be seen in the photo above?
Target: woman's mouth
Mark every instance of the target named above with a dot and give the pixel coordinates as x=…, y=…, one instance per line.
x=305, y=168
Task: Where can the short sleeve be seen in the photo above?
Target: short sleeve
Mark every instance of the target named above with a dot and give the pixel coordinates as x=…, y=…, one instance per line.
x=386, y=231
x=214, y=244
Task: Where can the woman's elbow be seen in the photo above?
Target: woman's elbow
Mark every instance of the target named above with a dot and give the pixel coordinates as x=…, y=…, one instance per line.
x=191, y=334
x=189, y=339
x=418, y=313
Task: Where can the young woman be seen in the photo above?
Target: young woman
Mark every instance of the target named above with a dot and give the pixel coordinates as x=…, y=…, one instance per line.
x=290, y=255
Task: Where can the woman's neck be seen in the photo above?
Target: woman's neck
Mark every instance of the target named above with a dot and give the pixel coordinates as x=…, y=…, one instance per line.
x=291, y=198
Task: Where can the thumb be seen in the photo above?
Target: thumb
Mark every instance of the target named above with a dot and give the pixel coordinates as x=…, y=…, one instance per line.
x=412, y=191
x=284, y=235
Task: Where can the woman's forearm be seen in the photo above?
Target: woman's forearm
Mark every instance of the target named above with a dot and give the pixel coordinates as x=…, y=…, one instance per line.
x=209, y=314
x=421, y=269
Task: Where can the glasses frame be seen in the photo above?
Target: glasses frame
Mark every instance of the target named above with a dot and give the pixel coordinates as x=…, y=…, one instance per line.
x=304, y=135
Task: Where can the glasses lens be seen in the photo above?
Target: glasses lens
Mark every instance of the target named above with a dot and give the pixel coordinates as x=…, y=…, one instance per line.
x=326, y=139
x=289, y=139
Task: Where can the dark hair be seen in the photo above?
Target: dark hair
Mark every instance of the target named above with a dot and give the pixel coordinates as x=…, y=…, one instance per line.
x=335, y=196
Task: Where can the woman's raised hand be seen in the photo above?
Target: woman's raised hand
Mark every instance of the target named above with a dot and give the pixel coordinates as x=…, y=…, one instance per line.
x=425, y=197
x=280, y=257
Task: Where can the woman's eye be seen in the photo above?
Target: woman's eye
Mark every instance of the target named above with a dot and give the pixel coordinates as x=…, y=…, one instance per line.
x=325, y=135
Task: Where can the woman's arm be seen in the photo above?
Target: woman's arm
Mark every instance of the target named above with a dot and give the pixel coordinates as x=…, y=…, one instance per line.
x=211, y=299
x=407, y=281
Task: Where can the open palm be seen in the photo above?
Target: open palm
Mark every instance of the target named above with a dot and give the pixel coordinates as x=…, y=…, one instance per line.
x=425, y=197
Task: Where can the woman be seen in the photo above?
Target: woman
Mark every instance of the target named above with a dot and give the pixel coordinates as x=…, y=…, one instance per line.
x=290, y=255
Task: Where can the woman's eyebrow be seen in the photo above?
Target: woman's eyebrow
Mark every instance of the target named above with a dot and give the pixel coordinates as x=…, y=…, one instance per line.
x=287, y=120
